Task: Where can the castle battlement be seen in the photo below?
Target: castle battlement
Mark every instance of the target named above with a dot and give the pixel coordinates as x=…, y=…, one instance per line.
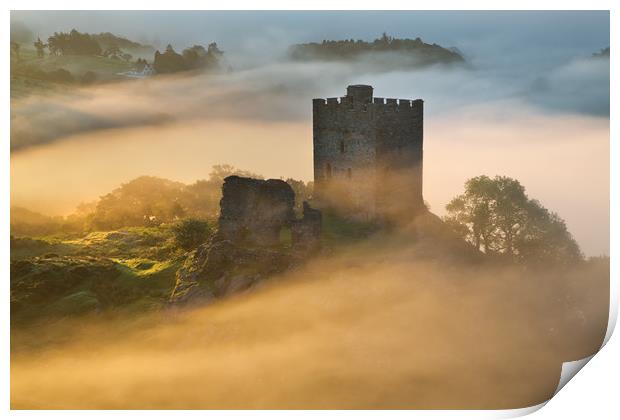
x=360, y=140
x=377, y=104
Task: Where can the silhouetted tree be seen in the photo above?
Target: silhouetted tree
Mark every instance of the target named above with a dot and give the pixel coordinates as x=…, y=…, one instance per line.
x=40, y=47
x=73, y=43
x=192, y=58
x=350, y=49
x=14, y=50
x=497, y=217
x=169, y=61
x=88, y=78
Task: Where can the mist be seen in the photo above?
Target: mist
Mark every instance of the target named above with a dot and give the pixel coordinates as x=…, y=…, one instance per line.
x=399, y=320
x=379, y=326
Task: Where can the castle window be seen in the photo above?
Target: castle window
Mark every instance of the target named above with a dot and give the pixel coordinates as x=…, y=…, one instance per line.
x=328, y=171
x=341, y=146
x=349, y=173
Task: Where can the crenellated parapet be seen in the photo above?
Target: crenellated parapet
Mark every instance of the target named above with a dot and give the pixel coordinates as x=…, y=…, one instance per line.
x=377, y=104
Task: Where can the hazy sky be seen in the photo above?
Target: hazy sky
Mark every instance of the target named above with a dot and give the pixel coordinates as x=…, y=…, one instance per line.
x=532, y=104
x=479, y=34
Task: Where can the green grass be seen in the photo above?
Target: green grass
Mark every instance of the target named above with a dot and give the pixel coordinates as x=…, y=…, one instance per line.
x=23, y=247
x=22, y=85
x=74, y=304
x=128, y=270
x=59, y=276
x=76, y=64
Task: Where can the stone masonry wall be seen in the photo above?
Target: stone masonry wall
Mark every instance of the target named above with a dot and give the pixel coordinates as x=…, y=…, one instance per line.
x=371, y=148
x=254, y=210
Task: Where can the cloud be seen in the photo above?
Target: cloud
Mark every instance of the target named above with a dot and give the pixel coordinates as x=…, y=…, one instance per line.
x=580, y=86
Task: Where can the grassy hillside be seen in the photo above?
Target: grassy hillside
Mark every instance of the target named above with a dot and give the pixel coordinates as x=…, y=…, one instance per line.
x=25, y=80
x=62, y=274
x=55, y=277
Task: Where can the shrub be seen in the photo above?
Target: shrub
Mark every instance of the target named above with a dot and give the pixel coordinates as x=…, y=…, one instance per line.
x=60, y=76
x=189, y=233
x=88, y=78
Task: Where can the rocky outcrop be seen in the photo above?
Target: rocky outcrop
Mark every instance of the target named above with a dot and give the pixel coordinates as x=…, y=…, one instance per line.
x=221, y=267
x=247, y=247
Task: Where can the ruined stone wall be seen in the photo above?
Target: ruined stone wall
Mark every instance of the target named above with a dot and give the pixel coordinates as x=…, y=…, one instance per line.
x=306, y=232
x=368, y=151
x=254, y=210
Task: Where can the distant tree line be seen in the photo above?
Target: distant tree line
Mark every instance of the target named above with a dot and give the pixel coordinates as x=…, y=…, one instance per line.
x=78, y=43
x=351, y=49
x=73, y=43
x=110, y=46
x=193, y=58
x=603, y=53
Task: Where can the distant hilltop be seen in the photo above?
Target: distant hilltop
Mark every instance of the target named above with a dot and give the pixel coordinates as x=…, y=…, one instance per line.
x=418, y=52
x=108, y=40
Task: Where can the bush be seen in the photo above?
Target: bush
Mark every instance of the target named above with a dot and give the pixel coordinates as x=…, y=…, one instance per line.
x=190, y=233
x=88, y=78
x=61, y=76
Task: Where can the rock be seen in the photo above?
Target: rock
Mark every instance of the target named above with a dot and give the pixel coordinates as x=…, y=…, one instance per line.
x=247, y=249
x=220, y=268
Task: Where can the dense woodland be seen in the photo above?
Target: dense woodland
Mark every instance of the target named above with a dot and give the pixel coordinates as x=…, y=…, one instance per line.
x=346, y=50
x=194, y=58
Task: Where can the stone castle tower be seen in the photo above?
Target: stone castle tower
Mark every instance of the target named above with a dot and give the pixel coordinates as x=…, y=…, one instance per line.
x=368, y=154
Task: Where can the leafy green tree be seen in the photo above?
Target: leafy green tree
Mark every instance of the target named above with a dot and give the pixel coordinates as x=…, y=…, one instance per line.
x=73, y=43
x=190, y=233
x=497, y=217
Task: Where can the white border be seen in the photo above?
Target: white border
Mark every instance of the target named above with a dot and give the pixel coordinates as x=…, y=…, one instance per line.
x=596, y=384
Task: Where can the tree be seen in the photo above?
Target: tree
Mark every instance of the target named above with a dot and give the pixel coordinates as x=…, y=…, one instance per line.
x=73, y=43
x=169, y=61
x=190, y=233
x=497, y=217
x=14, y=50
x=195, y=57
x=40, y=47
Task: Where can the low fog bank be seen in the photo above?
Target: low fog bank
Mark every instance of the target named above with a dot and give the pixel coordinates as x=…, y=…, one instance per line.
x=282, y=91
x=379, y=326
